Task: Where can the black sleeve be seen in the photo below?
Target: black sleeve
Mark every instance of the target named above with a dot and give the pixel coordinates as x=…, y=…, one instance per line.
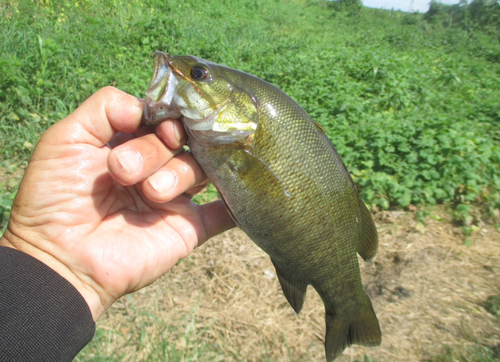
x=42, y=316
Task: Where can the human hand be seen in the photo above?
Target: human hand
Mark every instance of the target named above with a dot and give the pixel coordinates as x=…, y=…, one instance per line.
x=111, y=220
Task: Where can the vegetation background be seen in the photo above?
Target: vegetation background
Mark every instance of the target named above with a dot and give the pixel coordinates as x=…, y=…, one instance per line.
x=411, y=101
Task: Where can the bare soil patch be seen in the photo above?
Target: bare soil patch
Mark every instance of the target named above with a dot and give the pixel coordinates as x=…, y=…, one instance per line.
x=427, y=288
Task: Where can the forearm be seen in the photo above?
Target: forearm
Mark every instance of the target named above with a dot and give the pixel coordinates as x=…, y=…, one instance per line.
x=31, y=243
x=42, y=316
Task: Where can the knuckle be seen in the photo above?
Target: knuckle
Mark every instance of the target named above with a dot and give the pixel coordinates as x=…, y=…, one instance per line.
x=106, y=91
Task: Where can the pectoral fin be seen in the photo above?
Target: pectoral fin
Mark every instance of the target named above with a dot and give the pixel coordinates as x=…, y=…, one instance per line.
x=256, y=173
x=294, y=290
x=368, y=243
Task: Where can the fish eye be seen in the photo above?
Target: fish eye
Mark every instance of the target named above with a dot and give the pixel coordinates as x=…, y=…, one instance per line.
x=199, y=72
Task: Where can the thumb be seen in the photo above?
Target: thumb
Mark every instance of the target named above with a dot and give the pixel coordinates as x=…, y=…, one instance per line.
x=98, y=119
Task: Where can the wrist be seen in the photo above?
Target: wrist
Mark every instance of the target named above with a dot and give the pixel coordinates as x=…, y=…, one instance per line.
x=91, y=297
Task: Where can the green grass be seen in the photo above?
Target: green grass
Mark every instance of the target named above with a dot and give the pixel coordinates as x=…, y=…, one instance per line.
x=152, y=340
x=412, y=107
x=476, y=353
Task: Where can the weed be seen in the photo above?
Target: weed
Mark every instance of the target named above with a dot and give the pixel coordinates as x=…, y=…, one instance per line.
x=411, y=105
x=415, y=118
x=476, y=353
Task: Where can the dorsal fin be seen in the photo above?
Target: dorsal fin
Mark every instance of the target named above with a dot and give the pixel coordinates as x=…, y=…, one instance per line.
x=319, y=127
x=368, y=237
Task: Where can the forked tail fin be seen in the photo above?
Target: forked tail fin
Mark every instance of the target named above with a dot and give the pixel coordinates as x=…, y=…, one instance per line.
x=342, y=331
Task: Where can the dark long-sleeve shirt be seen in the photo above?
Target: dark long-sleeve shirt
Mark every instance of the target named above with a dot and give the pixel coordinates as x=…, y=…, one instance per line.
x=42, y=316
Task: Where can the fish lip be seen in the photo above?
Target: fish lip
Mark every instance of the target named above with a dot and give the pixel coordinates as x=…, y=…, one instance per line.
x=157, y=112
x=158, y=105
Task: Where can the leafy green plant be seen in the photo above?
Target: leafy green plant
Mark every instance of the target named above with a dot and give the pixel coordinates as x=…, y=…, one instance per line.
x=410, y=101
x=411, y=107
x=208, y=194
x=483, y=14
x=353, y=7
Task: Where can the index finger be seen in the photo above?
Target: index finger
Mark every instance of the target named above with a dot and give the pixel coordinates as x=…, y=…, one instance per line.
x=98, y=119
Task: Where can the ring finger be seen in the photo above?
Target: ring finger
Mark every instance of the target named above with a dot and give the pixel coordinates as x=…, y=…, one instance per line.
x=181, y=174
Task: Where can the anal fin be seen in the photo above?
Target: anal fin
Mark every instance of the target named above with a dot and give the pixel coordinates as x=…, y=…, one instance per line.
x=368, y=243
x=294, y=290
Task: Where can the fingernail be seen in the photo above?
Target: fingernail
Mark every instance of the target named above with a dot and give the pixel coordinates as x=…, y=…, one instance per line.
x=130, y=161
x=176, y=131
x=162, y=181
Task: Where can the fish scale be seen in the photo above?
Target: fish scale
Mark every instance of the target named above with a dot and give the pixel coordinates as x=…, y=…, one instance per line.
x=283, y=183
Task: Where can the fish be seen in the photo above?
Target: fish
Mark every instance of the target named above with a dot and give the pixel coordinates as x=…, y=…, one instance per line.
x=283, y=183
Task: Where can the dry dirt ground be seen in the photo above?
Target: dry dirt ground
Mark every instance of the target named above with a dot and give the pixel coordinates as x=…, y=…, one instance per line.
x=428, y=290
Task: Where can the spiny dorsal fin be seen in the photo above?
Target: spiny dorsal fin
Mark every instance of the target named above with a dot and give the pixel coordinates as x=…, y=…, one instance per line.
x=320, y=127
x=368, y=243
x=294, y=290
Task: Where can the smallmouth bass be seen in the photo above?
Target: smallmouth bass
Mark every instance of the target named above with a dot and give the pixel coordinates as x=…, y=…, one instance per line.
x=283, y=183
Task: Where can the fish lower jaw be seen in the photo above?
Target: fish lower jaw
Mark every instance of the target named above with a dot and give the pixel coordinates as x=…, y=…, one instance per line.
x=156, y=112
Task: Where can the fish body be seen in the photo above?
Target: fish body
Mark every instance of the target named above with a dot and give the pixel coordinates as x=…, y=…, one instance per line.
x=283, y=183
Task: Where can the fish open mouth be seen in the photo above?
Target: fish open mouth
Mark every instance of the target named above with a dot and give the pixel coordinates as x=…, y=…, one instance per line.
x=160, y=93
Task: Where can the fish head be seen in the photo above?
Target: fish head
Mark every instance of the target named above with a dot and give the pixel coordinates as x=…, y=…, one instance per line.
x=210, y=99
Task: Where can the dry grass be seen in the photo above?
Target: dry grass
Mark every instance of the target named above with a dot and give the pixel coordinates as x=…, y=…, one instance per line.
x=426, y=286
x=225, y=303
